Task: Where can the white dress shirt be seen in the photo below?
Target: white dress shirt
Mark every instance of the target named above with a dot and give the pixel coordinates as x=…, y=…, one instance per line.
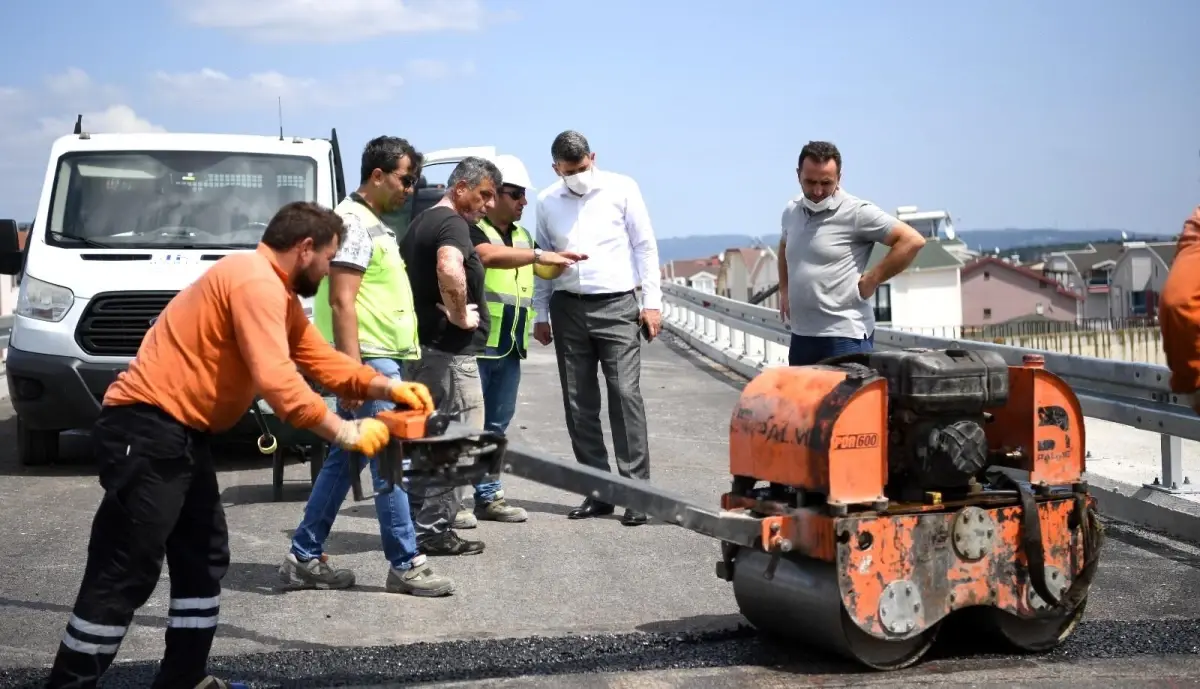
x=612, y=226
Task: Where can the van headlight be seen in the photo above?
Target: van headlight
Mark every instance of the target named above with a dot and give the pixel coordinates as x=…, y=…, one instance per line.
x=43, y=301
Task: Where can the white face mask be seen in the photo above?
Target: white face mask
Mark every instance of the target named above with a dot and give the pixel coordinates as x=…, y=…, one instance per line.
x=815, y=207
x=580, y=183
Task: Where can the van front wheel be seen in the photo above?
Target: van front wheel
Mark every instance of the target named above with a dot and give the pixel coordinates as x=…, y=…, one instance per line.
x=36, y=448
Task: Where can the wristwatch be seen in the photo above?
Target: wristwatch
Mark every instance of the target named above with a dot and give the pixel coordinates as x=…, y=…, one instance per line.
x=537, y=255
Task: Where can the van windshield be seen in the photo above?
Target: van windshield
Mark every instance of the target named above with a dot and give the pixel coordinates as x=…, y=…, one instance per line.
x=173, y=199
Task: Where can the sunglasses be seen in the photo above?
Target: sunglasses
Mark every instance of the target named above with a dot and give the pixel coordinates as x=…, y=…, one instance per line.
x=407, y=180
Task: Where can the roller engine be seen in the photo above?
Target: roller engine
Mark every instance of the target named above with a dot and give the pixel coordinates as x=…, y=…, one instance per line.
x=938, y=405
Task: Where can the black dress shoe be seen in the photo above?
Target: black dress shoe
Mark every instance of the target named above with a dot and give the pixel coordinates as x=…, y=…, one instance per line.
x=633, y=518
x=591, y=508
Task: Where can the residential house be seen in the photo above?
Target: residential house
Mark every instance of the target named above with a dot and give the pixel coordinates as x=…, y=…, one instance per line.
x=959, y=249
x=997, y=291
x=1137, y=278
x=733, y=277
x=765, y=275
x=927, y=297
x=1086, y=272
x=698, y=273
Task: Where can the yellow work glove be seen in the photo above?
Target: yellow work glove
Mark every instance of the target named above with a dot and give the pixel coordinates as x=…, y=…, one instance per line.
x=415, y=396
x=367, y=436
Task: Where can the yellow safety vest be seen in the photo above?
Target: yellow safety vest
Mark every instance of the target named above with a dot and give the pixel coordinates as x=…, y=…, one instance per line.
x=509, y=295
x=387, y=321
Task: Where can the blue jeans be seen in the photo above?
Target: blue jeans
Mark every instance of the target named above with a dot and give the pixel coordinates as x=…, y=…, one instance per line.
x=807, y=350
x=500, y=378
x=333, y=483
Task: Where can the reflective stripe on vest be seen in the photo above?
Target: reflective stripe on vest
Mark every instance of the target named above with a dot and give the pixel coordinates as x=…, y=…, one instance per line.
x=387, y=321
x=509, y=295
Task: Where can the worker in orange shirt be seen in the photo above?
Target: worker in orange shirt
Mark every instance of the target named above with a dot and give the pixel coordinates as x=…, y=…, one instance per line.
x=238, y=331
x=1179, y=313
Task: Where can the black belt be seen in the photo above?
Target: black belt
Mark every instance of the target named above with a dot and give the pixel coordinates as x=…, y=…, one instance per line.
x=598, y=296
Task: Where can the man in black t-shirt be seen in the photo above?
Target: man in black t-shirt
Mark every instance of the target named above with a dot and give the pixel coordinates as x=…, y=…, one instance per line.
x=433, y=272
x=446, y=275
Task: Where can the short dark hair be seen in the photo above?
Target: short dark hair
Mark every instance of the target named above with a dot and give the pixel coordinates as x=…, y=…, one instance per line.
x=569, y=147
x=473, y=170
x=300, y=220
x=385, y=152
x=820, y=152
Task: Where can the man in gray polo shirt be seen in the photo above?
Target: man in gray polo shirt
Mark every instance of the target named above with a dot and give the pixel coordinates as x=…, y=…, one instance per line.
x=827, y=237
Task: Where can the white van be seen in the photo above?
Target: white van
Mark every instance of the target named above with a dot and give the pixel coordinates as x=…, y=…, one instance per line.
x=124, y=222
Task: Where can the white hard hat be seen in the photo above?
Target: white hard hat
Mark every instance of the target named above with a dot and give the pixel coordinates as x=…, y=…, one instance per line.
x=513, y=171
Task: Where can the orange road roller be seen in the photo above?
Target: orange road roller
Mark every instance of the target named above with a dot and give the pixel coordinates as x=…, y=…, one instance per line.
x=873, y=497
x=899, y=487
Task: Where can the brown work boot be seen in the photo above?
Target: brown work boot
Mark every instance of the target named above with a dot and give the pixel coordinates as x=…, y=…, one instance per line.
x=500, y=511
x=449, y=543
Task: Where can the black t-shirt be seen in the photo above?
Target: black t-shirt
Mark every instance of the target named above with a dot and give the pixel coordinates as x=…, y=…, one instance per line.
x=429, y=231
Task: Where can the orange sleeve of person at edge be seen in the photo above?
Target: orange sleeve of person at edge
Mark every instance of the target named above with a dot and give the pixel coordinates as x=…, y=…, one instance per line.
x=1179, y=310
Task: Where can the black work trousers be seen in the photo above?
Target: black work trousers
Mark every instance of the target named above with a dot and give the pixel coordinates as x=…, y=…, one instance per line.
x=160, y=498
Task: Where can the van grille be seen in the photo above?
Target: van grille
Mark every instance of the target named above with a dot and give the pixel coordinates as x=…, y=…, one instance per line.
x=114, y=324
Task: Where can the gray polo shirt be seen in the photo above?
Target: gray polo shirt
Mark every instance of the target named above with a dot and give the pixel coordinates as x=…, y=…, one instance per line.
x=826, y=254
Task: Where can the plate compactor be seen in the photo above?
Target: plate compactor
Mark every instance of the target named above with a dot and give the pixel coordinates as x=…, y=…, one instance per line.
x=873, y=495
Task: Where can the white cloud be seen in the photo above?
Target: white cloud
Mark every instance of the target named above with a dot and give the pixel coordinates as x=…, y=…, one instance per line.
x=116, y=119
x=209, y=88
x=74, y=84
x=323, y=21
x=36, y=117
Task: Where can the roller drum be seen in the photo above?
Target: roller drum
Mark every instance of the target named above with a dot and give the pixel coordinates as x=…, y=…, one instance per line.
x=798, y=599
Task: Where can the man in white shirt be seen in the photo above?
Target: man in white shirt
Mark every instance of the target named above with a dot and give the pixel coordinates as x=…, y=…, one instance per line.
x=594, y=308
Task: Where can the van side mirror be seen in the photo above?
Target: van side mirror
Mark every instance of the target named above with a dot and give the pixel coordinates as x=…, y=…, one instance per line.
x=11, y=255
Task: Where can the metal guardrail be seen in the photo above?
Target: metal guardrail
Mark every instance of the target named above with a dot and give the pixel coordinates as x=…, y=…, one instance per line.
x=747, y=338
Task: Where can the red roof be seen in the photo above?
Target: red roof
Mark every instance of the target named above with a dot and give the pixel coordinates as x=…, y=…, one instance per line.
x=1020, y=270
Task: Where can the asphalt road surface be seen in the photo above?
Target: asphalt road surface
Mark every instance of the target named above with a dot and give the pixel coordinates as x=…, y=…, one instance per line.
x=551, y=603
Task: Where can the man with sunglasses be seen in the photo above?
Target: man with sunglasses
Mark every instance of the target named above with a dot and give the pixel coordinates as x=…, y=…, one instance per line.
x=511, y=260
x=365, y=307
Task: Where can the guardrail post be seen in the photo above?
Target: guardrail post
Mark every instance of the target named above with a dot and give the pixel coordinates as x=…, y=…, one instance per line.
x=1172, y=479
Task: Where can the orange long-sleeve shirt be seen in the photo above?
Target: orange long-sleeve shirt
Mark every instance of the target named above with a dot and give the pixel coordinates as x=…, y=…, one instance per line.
x=236, y=331
x=1179, y=310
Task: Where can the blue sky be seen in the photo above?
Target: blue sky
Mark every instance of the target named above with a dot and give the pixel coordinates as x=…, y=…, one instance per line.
x=1070, y=113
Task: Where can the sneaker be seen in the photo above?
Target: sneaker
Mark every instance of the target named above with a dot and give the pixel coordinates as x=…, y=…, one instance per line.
x=449, y=543
x=465, y=520
x=500, y=511
x=211, y=682
x=314, y=574
x=419, y=580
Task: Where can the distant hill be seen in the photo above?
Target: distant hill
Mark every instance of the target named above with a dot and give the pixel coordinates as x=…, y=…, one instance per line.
x=1010, y=240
